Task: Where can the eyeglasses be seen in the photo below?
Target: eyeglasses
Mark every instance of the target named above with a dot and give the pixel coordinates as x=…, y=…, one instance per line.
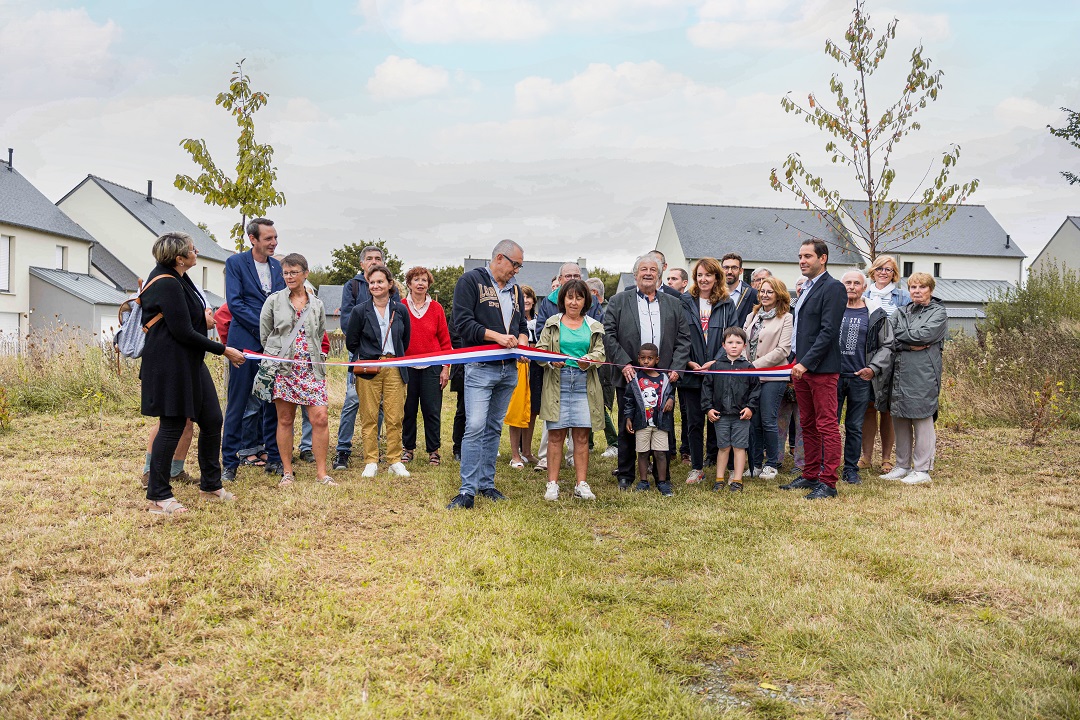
x=192, y=251
x=885, y=269
x=292, y=273
x=514, y=263
x=731, y=267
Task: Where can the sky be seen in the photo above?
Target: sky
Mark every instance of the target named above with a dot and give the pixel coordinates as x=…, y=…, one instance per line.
x=442, y=126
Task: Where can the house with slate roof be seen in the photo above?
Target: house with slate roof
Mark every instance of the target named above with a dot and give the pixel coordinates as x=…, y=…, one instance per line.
x=34, y=233
x=1063, y=250
x=128, y=222
x=764, y=237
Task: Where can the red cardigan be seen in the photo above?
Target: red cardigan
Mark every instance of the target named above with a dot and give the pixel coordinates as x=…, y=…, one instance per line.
x=429, y=333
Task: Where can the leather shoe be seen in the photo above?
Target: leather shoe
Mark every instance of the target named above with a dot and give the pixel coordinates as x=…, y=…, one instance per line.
x=852, y=478
x=801, y=483
x=493, y=494
x=465, y=502
x=228, y=474
x=822, y=492
x=624, y=485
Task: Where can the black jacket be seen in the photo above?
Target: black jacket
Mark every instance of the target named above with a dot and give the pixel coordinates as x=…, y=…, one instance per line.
x=477, y=309
x=634, y=406
x=729, y=394
x=364, y=338
x=701, y=352
x=173, y=374
x=622, y=332
x=817, y=332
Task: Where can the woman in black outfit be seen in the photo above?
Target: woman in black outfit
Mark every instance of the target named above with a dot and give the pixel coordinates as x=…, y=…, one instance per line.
x=176, y=384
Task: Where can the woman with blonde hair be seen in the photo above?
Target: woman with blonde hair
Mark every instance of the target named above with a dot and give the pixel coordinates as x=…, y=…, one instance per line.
x=709, y=311
x=769, y=337
x=884, y=288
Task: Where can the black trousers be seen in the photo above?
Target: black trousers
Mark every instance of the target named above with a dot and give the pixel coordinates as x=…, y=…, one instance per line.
x=423, y=392
x=459, y=423
x=694, y=425
x=208, y=418
x=684, y=439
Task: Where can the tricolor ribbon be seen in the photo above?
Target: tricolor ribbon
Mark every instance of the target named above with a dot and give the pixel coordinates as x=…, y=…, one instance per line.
x=488, y=353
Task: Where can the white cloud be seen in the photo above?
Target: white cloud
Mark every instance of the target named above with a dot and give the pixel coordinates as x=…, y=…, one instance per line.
x=56, y=54
x=402, y=78
x=1025, y=113
x=601, y=87
x=444, y=21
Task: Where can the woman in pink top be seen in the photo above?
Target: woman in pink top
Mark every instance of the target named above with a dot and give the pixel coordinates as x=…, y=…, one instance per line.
x=430, y=334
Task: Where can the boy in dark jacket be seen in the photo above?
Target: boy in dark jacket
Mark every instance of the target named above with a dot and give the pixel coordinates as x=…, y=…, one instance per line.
x=647, y=405
x=729, y=401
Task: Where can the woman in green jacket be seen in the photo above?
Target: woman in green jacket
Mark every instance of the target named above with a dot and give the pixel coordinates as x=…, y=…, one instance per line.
x=572, y=397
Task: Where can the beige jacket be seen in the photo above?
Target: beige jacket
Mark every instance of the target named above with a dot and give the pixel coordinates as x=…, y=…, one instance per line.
x=774, y=343
x=277, y=321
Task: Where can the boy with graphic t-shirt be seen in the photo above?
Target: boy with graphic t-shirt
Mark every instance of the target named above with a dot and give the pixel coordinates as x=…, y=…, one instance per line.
x=647, y=406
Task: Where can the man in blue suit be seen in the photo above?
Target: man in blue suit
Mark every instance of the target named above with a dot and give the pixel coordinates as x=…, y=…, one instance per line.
x=250, y=277
x=818, y=316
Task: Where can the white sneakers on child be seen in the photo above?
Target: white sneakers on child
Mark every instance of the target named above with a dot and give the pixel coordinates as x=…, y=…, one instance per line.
x=694, y=477
x=552, y=492
x=768, y=473
x=611, y=452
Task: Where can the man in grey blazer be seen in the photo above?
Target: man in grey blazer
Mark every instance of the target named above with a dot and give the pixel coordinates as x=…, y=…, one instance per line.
x=643, y=314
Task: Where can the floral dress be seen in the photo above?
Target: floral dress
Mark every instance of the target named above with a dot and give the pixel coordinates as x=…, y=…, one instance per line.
x=297, y=383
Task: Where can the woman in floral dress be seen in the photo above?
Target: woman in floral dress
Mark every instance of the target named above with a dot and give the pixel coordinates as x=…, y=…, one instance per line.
x=291, y=326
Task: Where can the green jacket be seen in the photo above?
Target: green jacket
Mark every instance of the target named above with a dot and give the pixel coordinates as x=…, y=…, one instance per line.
x=550, y=398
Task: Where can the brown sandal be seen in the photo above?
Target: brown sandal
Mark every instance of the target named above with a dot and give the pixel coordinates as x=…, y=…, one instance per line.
x=434, y=459
x=887, y=466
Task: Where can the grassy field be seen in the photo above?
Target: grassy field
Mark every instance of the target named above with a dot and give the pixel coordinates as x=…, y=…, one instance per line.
x=957, y=600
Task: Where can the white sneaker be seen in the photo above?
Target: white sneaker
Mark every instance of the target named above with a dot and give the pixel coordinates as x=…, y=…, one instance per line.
x=768, y=473
x=915, y=478
x=746, y=472
x=895, y=474
x=369, y=470
x=552, y=492
x=695, y=476
x=398, y=469
x=582, y=491
x=611, y=452
x=756, y=472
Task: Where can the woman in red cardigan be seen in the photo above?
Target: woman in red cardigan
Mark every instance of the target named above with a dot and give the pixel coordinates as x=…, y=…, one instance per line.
x=429, y=334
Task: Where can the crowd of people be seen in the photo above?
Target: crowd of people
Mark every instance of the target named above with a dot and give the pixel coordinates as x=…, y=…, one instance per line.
x=860, y=342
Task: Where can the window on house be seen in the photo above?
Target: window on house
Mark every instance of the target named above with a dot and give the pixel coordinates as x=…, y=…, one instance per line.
x=5, y=263
x=61, y=257
x=937, y=269
x=909, y=267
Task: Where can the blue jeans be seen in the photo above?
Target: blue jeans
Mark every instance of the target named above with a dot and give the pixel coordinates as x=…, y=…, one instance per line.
x=766, y=436
x=488, y=387
x=857, y=392
x=305, y=425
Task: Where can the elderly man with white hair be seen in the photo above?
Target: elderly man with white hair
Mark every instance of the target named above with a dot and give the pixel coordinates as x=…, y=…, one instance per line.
x=865, y=360
x=643, y=314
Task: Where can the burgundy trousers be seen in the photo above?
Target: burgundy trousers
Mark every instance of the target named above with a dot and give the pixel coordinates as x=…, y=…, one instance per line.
x=816, y=396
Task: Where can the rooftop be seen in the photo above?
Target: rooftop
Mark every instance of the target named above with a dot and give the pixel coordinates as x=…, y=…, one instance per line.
x=760, y=234
x=969, y=291
x=331, y=298
x=110, y=266
x=86, y=288
x=23, y=205
x=971, y=230
x=158, y=216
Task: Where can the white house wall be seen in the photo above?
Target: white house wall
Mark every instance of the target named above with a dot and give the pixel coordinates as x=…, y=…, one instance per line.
x=1062, y=250
x=33, y=248
x=964, y=267
x=668, y=243
x=125, y=237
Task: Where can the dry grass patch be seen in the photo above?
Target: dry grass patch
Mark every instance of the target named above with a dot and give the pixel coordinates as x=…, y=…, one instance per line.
x=369, y=600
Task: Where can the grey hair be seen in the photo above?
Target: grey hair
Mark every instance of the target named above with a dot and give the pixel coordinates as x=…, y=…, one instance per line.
x=767, y=271
x=505, y=247
x=372, y=248
x=649, y=256
x=170, y=247
x=596, y=284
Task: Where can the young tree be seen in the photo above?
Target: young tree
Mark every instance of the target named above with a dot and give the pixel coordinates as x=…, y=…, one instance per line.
x=1070, y=132
x=345, y=262
x=252, y=191
x=865, y=143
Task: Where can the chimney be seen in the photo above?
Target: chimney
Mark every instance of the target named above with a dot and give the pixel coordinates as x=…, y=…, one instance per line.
x=581, y=262
x=1008, y=240
x=149, y=191
x=10, y=153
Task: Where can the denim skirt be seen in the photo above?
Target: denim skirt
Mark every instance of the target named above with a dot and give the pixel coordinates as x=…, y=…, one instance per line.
x=573, y=401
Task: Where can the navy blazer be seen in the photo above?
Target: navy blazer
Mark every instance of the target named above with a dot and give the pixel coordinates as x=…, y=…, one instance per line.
x=364, y=339
x=701, y=352
x=817, y=339
x=622, y=332
x=245, y=297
